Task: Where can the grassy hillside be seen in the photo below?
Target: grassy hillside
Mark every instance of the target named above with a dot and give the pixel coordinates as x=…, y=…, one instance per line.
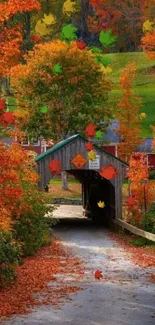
x=144, y=83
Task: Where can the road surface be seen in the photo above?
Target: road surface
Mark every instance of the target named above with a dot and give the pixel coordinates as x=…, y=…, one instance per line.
x=123, y=297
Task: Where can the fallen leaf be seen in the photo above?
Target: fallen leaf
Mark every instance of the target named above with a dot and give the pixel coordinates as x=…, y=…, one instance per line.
x=98, y=275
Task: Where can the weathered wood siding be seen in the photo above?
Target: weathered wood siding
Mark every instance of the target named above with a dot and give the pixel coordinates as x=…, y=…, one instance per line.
x=68, y=152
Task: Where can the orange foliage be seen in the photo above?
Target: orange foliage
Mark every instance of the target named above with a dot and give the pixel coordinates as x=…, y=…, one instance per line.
x=148, y=41
x=11, y=38
x=15, y=168
x=129, y=119
x=139, y=169
x=138, y=174
x=15, y=165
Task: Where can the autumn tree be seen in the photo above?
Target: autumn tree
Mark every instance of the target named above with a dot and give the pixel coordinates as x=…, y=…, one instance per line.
x=128, y=116
x=141, y=191
x=148, y=39
x=123, y=17
x=54, y=14
x=62, y=88
x=14, y=34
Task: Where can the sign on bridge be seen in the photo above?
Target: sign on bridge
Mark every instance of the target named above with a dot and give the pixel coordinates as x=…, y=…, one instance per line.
x=95, y=164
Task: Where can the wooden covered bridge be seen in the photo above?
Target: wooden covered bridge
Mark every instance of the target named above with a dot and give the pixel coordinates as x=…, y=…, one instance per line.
x=74, y=160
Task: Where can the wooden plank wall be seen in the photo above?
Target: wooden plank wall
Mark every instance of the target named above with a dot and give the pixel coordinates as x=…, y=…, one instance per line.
x=68, y=152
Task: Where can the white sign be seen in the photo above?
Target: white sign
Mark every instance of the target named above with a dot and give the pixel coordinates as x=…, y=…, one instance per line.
x=95, y=164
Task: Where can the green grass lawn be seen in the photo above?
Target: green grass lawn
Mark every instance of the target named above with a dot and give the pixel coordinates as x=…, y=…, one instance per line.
x=57, y=181
x=144, y=85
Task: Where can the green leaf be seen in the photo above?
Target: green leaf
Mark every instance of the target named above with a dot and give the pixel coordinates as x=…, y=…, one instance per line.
x=106, y=39
x=97, y=60
x=99, y=135
x=68, y=33
x=96, y=50
x=104, y=60
x=57, y=69
x=44, y=109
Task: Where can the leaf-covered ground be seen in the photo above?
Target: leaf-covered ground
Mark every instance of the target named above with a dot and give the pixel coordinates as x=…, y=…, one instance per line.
x=141, y=256
x=33, y=278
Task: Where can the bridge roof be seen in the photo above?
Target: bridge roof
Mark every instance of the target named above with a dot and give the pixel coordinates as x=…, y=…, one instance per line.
x=67, y=141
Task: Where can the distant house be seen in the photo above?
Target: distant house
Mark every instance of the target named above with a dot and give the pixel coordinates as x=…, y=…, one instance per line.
x=110, y=140
x=36, y=145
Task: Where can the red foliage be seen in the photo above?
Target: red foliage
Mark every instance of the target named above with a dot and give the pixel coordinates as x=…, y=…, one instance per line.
x=54, y=167
x=98, y=275
x=81, y=45
x=8, y=118
x=144, y=257
x=89, y=146
x=33, y=277
x=35, y=39
x=2, y=105
x=105, y=15
x=90, y=130
x=109, y=172
x=131, y=200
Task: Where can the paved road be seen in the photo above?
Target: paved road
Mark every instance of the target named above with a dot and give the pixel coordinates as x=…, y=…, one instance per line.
x=123, y=297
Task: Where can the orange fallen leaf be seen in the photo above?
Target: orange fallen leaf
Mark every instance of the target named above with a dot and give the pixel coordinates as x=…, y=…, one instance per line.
x=98, y=275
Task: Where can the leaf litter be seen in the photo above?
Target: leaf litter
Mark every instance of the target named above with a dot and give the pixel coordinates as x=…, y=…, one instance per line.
x=37, y=282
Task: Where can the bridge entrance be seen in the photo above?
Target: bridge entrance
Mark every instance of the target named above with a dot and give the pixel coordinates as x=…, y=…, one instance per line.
x=96, y=190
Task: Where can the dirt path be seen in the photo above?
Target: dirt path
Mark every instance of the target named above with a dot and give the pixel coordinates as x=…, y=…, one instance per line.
x=123, y=297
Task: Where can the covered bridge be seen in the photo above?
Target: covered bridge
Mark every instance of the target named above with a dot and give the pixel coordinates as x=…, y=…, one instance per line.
x=74, y=160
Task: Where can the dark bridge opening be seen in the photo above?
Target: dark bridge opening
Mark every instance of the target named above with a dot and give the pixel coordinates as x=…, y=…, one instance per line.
x=96, y=189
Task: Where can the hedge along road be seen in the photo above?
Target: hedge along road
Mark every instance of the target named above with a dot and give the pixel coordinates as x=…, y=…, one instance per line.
x=124, y=296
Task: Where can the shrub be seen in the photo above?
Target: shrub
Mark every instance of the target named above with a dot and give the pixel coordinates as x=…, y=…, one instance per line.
x=9, y=257
x=33, y=232
x=149, y=220
x=142, y=242
x=152, y=174
x=32, y=229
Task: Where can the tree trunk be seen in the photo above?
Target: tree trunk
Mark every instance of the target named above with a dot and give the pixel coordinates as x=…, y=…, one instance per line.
x=27, y=31
x=84, y=33
x=64, y=180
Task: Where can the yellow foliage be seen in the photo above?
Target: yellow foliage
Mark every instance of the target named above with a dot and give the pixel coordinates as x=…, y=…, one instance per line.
x=101, y=204
x=49, y=19
x=148, y=26
x=42, y=29
x=142, y=115
x=69, y=7
x=91, y=155
x=105, y=69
